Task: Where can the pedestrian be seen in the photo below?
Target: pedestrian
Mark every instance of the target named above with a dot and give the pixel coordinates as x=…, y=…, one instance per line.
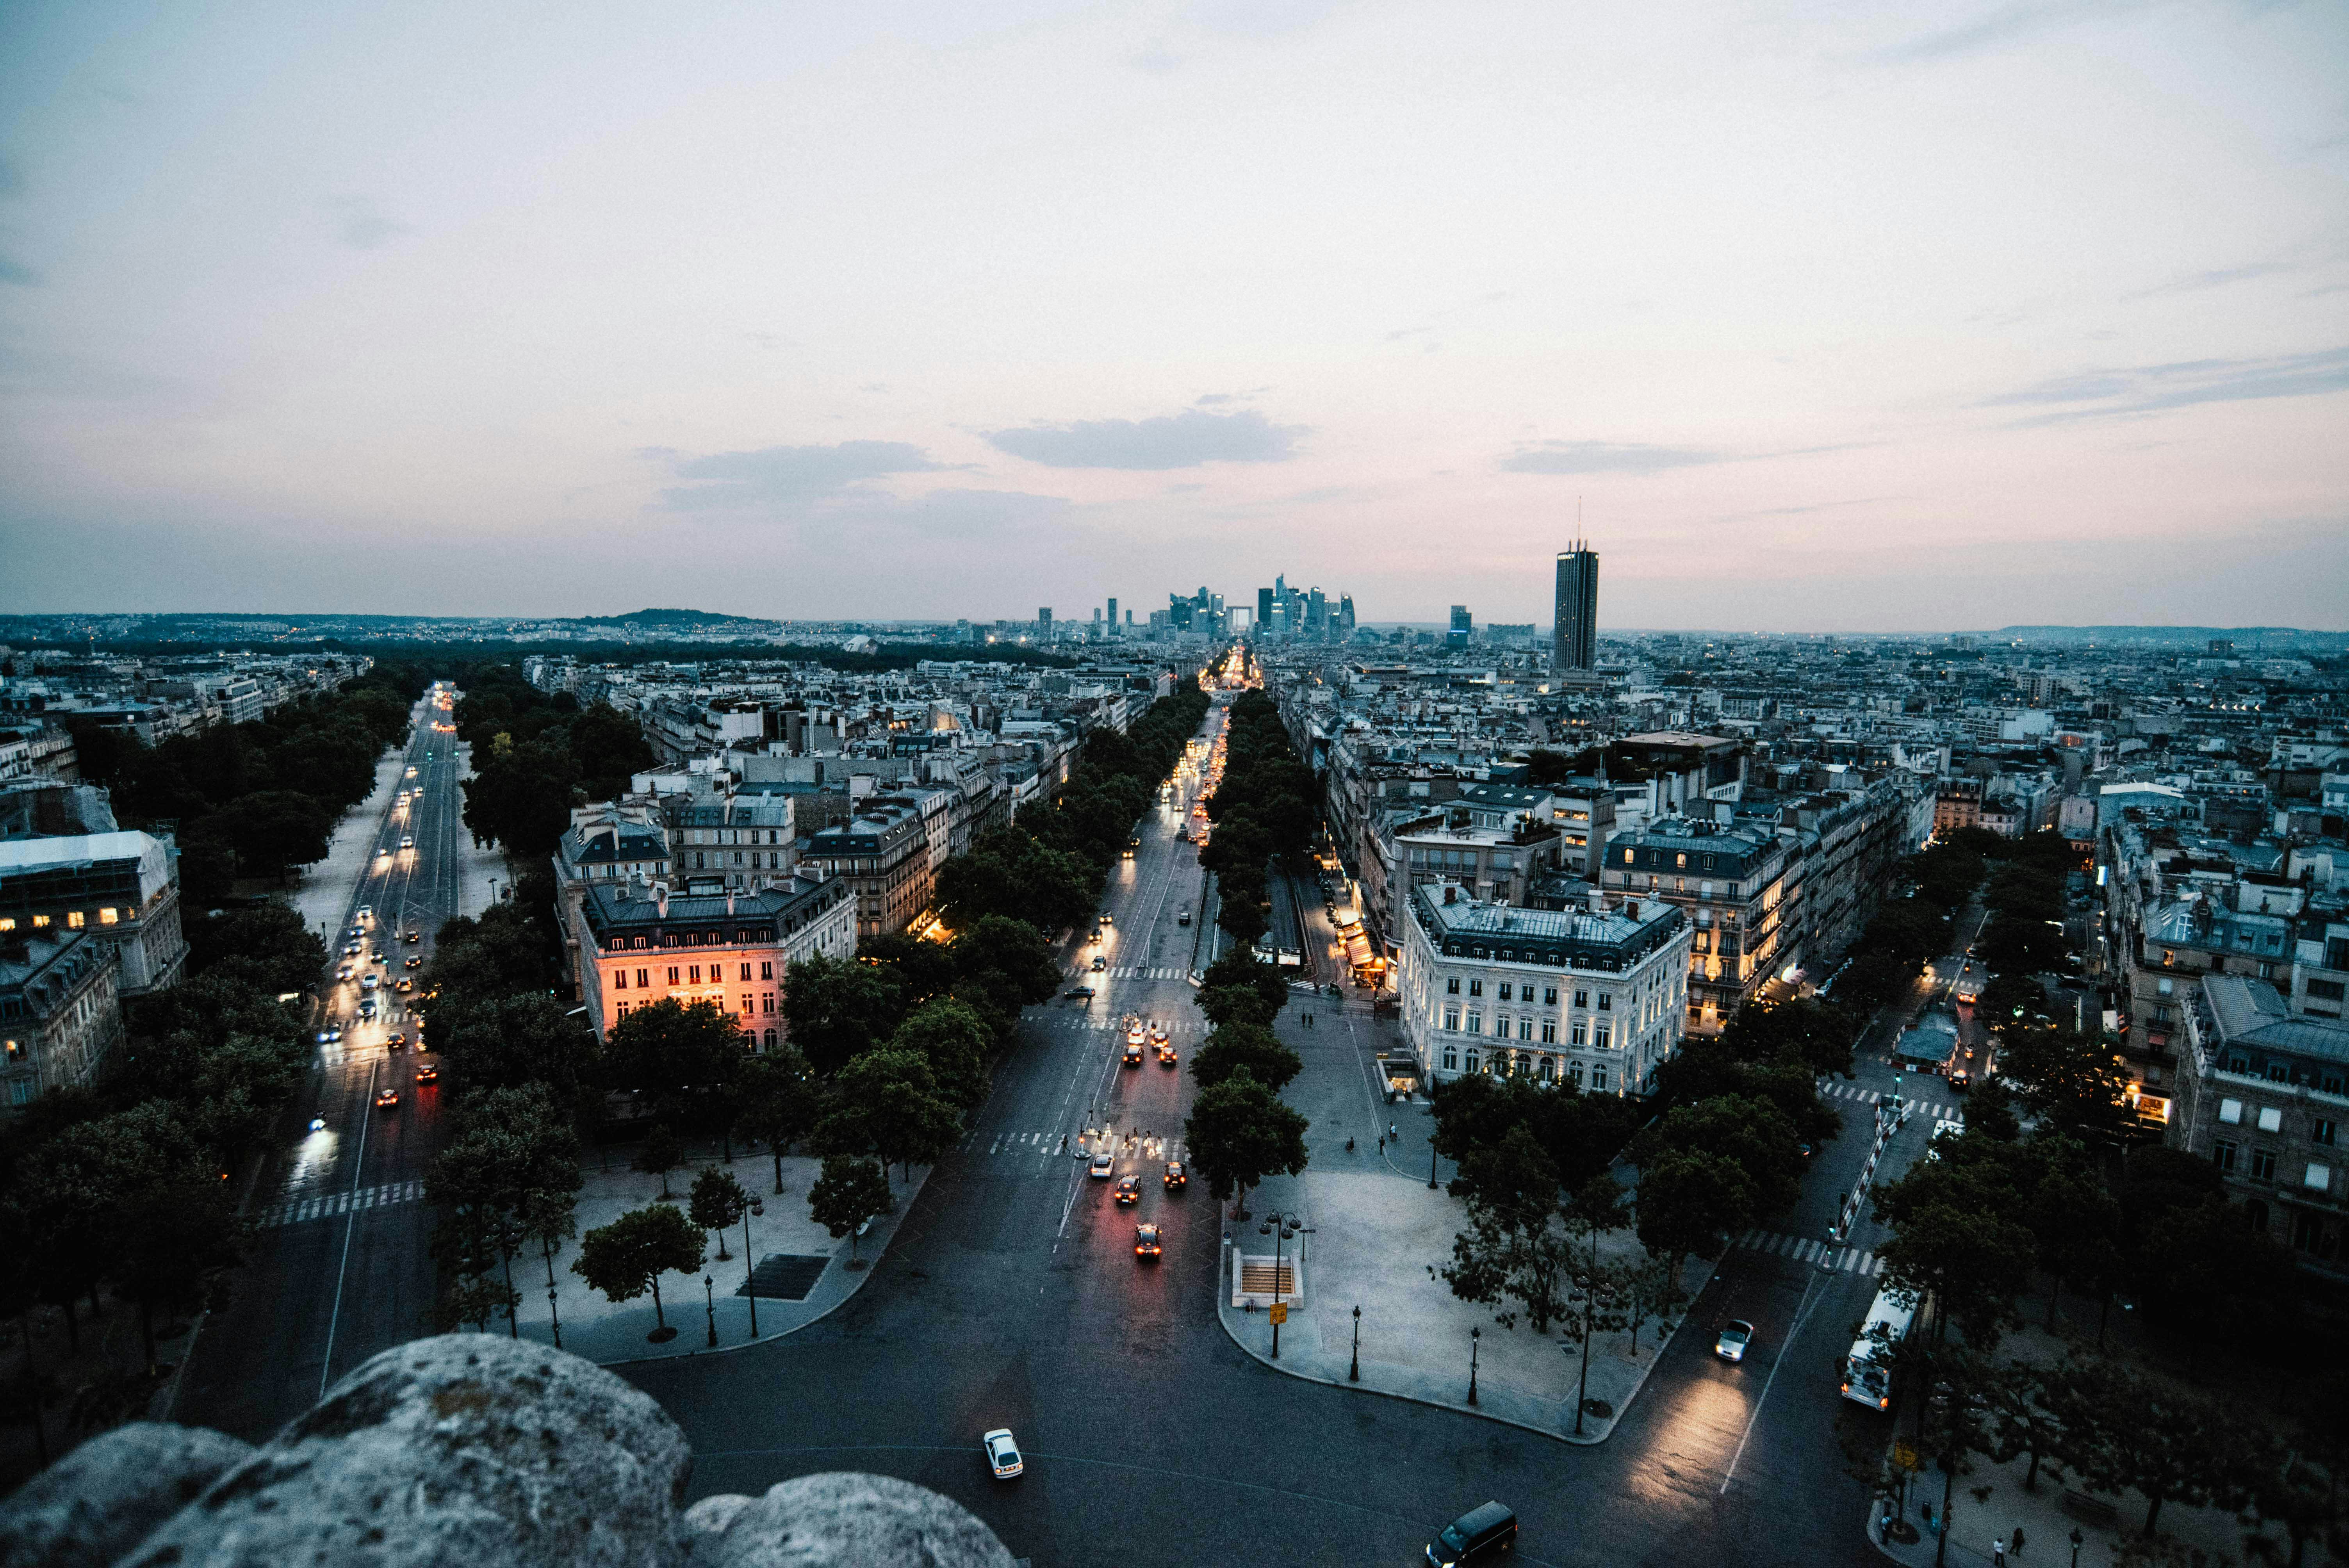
x=2014, y=1542
x=1884, y=1529
x=1929, y=1519
x=1998, y=1554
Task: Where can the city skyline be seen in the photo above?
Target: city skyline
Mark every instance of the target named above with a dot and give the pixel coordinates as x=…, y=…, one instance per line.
x=1814, y=344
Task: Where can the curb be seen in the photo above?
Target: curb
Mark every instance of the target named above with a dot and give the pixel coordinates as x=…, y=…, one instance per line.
x=919, y=1188
x=1582, y=1443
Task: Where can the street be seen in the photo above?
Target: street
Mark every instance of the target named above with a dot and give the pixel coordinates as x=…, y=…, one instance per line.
x=339, y=1266
x=1012, y=1298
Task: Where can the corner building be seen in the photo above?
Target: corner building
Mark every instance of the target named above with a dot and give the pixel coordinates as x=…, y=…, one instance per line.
x=1591, y=997
x=640, y=944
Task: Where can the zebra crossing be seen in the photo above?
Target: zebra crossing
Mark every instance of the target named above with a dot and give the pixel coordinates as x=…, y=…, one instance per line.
x=1807, y=1250
x=1117, y=1026
x=1061, y=1144
x=1131, y=971
x=1852, y=1091
x=328, y=1205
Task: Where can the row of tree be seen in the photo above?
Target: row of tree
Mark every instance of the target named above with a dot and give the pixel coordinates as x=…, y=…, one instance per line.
x=1048, y=867
x=1239, y=1131
x=536, y=754
x=122, y=1186
x=1266, y=807
x=254, y=800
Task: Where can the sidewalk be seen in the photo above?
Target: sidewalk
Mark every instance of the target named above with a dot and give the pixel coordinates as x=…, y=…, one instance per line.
x=2045, y=1523
x=607, y=1334
x=1376, y=1231
x=322, y=894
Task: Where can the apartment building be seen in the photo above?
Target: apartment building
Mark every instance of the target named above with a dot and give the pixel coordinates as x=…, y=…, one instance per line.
x=883, y=853
x=1594, y=997
x=120, y=887
x=641, y=943
x=60, y=1011
x=1738, y=885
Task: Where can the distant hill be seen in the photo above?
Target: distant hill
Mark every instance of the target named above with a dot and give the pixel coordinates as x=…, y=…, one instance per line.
x=2244, y=636
x=670, y=618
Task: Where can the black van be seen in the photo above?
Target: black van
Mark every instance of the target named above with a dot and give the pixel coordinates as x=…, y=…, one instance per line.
x=1486, y=1535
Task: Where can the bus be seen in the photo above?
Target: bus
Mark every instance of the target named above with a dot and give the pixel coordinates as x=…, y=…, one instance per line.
x=1866, y=1371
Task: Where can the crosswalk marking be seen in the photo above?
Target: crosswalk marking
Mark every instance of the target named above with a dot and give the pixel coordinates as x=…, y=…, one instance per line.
x=1129, y=972
x=1940, y=1112
x=1049, y=1145
x=327, y=1205
x=1808, y=1249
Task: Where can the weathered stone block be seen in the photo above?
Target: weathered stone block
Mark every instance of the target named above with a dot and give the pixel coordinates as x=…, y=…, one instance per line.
x=102, y=1498
x=844, y=1519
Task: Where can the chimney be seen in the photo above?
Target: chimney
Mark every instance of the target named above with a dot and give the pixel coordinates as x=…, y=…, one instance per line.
x=660, y=896
x=1631, y=909
x=1597, y=902
x=1450, y=894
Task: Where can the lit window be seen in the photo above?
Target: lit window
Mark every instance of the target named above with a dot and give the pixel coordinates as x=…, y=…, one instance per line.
x=2271, y=1119
x=7, y=922
x=2231, y=1111
x=2319, y=1177
x=109, y=916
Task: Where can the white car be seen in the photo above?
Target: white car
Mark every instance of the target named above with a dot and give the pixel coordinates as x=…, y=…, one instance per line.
x=1002, y=1453
x=367, y=983
x=1103, y=1166
x=407, y=842
x=1735, y=1336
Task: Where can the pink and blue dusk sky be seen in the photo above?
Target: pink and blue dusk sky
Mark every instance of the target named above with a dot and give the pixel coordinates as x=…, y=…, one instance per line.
x=1828, y=317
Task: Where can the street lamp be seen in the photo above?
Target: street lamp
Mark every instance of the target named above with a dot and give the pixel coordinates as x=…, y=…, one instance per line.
x=1475, y=1337
x=709, y=1299
x=2077, y=1541
x=750, y=1286
x=1354, y=1372
x=1281, y=1227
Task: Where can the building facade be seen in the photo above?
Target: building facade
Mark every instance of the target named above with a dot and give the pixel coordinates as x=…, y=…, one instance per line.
x=883, y=853
x=1594, y=997
x=1574, y=642
x=1733, y=882
x=60, y=1011
x=121, y=887
x=638, y=944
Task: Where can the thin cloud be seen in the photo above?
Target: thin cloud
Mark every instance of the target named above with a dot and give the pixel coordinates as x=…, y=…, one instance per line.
x=1605, y=457
x=358, y=225
x=727, y=481
x=1185, y=441
x=2156, y=389
x=1998, y=29
x=2195, y=282
x=14, y=271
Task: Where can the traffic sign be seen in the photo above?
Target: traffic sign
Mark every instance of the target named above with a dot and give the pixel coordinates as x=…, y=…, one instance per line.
x=1904, y=1457
x=1281, y=1312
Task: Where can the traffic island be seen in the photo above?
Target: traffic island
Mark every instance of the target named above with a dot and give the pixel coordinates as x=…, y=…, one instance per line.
x=1373, y=1240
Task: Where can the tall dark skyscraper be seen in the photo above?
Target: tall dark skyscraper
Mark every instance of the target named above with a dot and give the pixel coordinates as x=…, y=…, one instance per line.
x=1575, y=644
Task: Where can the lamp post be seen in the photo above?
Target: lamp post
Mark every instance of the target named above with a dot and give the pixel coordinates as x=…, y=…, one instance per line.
x=1354, y=1372
x=1431, y=1161
x=1474, y=1336
x=2077, y=1541
x=556, y=1315
x=750, y=1287
x=1281, y=1227
x=709, y=1299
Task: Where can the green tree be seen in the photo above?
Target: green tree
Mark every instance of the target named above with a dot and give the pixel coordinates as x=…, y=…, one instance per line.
x=717, y=1205
x=2076, y=1085
x=1906, y=929
x=627, y=1258
x=659, y=1156
x=1690, y=1202
x=1245, y=1047
x=777, y=1103
x=2017, y=1420
x=512, y=1168
x=2076, y=1221
x=849, y=1191
x=2121, y=1431
x=1240, y=1133
x=1010, y=956
x=1954, y=1240
x=1598, y=1289
x=685, y=1057
x=839, y=1007
x=887, y=1103
x=506, y=1042
x=955, y=1040
x=1751, y=1132
x=266, y=947
x=1514, y=1248
x=274, y=831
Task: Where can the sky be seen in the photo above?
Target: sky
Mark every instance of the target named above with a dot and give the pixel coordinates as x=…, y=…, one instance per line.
x=1817, y=316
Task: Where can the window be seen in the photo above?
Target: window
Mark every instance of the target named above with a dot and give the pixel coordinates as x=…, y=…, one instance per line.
x=2318, y=1179
x=672, y=973
x=1601, y=1040
x=74, y=921
x=767, y=970
x=1606, y=1001
x=1598, y=1079
x=620, y=979
x=695, y=974
x=1581, y=1033
x=770, y=1039
x=1582, y=998
x=1452, y=986
x=1505, y=992
x=1550, y=995
x=1525, y=1028
x=2222, y=1155
x=1680, y=862
x=1549, y=1031
x=1544, y=1069
x=1476, y=1023
x=1472, y=1062
x=642, y=979
x=2262, y=1164
x=109, y=916
x=1451, y=1060
x=746, y=1001
x=767, y=1002
x=1475, y=987
x=2231, y=1111
x=1452, y=1020
x=2162, y=985
x=2271, y=1119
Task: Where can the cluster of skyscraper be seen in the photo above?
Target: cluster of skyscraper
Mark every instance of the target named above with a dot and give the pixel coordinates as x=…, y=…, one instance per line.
x=1284, y=614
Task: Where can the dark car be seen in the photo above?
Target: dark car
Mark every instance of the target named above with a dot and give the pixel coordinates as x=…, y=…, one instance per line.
x=1078, y=994
x=387, y=1099
x=1145, y=1241
x=1129, y=1190
x=1175, y=1175
x=428, y=1073
x=1486, y=1535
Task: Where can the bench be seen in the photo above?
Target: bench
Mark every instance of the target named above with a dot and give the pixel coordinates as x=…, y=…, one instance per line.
x=2091, y=1509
